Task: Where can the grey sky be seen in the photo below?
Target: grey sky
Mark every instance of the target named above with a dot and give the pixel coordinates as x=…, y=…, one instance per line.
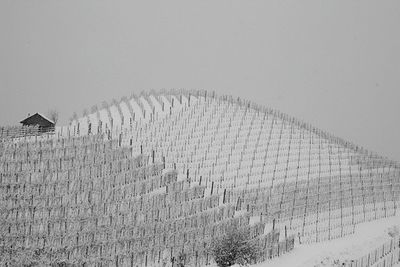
x=335, y=64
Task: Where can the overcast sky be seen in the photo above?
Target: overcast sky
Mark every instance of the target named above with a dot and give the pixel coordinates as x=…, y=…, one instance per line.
x=335, y=64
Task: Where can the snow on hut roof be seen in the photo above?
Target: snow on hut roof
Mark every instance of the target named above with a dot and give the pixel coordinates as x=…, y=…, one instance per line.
x=40, y=114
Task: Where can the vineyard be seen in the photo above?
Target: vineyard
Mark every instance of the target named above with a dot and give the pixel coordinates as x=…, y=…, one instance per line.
x=88, y=201
x=138, y=181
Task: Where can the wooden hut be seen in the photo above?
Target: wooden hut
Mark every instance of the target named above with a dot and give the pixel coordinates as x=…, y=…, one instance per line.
x=45, y=124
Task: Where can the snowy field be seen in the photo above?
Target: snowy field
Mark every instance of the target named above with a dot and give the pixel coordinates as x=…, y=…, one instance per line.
x=366, y=238
x=217, y=162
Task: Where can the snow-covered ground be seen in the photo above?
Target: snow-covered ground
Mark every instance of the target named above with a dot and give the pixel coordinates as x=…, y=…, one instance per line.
x=367, y=237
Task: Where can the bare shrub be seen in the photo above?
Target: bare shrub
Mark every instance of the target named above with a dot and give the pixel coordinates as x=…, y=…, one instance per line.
x=53, y=115
x=234, y=247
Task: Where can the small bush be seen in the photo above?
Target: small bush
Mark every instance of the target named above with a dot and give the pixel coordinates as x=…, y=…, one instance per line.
x=181, y=259
x=234, y=248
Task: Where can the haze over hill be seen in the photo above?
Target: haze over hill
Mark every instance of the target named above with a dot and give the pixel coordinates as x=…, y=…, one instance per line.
x=335, y=65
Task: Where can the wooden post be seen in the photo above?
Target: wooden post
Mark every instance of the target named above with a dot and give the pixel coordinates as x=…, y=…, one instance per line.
x=238, y=204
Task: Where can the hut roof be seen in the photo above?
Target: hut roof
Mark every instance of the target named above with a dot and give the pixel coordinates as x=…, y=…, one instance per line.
x=36, y=119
